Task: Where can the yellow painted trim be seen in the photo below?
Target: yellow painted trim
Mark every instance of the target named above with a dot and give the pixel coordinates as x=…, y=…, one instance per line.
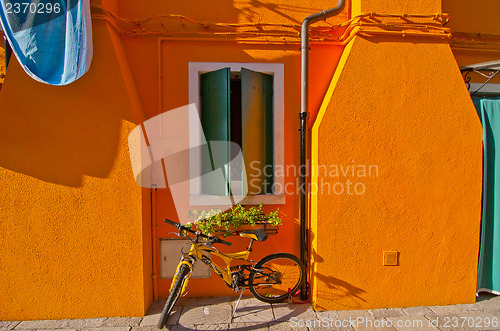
x=314, y=158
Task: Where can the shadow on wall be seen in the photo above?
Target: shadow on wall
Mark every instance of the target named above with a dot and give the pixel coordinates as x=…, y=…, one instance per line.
x=228, y=11
x=60, y=134
x=340, y=291
x=482, y=17
x=251, y=8
x=337, y=290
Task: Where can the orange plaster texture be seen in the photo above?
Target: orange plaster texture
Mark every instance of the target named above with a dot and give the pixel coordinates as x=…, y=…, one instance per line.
x=76, y=230
x=477, y=20
x=172, y=90
x=2, y=65
x=71, y=224
x=401, y=105
x=175, y=79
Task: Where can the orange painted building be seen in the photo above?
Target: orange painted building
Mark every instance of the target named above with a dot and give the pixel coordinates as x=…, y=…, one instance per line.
x=395, y=147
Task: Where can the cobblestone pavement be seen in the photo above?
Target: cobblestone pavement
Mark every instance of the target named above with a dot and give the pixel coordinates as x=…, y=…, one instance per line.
x=215, y=314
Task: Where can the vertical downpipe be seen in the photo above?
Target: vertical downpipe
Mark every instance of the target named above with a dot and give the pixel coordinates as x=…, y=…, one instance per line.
x=155, y=243
x=8, y=51
x=304, y=115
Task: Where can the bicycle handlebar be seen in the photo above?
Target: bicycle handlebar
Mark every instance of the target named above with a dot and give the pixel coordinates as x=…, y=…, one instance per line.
x=180, y=227
x=218, y=240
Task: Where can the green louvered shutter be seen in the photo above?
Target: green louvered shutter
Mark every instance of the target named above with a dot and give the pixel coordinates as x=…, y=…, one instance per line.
x=215, y=120
x=257, y=130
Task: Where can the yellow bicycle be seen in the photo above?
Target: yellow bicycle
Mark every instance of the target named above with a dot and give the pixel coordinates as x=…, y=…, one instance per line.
x=273, y=279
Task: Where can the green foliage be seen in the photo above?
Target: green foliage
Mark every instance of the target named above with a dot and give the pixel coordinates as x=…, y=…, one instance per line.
x=230, y=220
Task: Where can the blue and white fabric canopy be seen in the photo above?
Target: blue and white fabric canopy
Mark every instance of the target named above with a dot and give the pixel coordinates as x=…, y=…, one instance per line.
x=52, y=39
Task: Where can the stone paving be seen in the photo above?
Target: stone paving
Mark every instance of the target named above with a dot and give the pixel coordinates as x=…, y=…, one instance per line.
x=215, y=314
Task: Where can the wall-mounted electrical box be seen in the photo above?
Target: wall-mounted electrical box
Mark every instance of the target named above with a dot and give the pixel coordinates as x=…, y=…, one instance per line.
x=170, y=255
x=390, y=258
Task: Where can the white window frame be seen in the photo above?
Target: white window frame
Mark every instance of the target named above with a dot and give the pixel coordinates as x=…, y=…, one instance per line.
x=277, y=71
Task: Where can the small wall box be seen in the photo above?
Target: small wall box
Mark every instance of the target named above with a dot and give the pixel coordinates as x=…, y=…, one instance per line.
x=170, y=255
x=390, y=258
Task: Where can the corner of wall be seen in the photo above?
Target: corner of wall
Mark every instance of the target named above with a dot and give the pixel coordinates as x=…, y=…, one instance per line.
x=313, y=226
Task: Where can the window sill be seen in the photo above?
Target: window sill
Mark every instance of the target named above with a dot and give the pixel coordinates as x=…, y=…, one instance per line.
x=265, y=199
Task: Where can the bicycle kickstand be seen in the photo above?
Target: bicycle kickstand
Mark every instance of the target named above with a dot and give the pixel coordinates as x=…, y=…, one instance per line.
x=237, y=303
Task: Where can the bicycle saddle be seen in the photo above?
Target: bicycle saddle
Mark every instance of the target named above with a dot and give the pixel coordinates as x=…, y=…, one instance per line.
x=259, y=235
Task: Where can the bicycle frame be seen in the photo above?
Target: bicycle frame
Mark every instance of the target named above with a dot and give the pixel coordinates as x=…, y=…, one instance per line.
x=200, y=252
x=251, y=275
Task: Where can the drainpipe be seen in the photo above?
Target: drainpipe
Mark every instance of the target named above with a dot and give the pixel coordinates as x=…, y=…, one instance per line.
x=304, y=115
x=8, y=51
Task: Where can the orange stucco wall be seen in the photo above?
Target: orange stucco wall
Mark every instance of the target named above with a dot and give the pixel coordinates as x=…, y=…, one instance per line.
x=175, y=94
x=395, y=7
x=479, y=17
x=230, y=11
x=73, y=241
x=2, y=61
x=76, y=229
x=171, y=91
x=400, y=105
x=480, y=22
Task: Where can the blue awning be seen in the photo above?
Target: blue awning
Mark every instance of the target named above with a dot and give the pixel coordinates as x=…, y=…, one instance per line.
x=52, y=39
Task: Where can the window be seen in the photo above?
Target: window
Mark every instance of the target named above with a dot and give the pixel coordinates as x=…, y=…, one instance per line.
x=241, y=103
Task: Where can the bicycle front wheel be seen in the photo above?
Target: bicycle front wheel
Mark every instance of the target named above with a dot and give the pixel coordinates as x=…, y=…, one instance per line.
x=175, y=292
x=275, y=276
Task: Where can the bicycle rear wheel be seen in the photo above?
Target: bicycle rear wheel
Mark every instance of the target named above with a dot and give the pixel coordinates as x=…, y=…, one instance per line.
x=181, y=275
x=274, y=276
